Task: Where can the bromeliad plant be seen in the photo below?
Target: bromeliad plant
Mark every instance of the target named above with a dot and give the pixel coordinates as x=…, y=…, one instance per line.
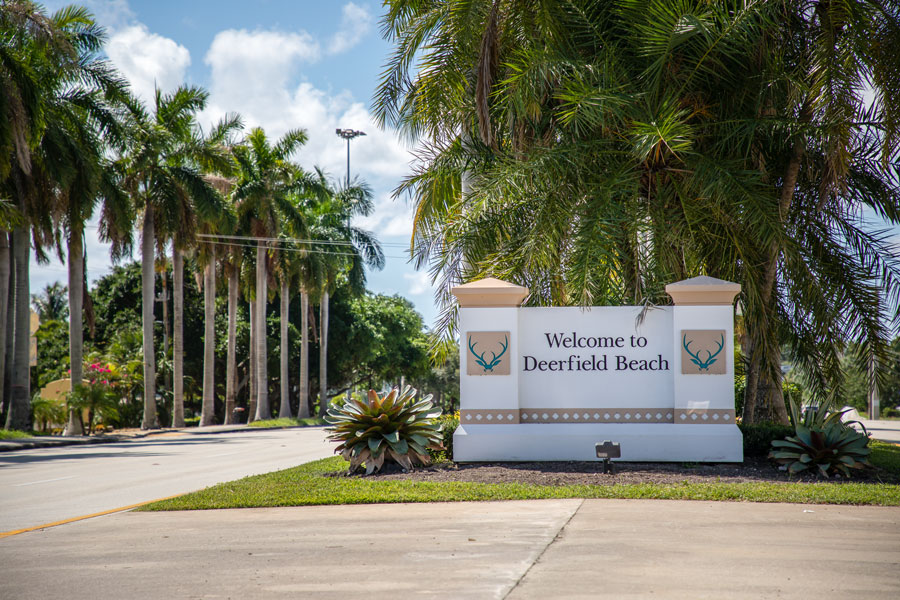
x=822, y=441
x=392, y=428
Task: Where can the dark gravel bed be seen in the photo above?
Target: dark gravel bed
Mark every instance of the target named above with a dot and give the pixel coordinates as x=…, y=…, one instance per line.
x=591, y=473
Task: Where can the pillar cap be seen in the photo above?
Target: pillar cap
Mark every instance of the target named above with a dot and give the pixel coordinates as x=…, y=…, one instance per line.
x=489, y=292
x=703, y=291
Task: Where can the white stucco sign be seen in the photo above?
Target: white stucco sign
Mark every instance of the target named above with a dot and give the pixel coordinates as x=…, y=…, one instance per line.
x=549, y=383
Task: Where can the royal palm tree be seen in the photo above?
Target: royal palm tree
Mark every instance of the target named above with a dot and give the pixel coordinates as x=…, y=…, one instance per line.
x=342, y=249
x=160, y=173
x=55, y=89
x=265, y=182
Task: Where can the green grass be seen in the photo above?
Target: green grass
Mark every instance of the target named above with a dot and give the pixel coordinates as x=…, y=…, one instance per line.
x=309, y=485
x=308, y=422
x=12, y=434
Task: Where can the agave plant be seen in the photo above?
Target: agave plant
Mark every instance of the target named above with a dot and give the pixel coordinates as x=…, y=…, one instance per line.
x=394, y=428
x=821, y=440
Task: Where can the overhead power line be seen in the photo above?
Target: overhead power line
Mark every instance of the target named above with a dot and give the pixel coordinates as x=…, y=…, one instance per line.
x=250, y=238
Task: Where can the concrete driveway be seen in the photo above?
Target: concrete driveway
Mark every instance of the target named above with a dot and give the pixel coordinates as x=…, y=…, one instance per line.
x=527, y=549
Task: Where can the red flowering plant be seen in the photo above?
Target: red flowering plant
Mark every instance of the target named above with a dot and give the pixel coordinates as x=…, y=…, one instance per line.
x=97, y=396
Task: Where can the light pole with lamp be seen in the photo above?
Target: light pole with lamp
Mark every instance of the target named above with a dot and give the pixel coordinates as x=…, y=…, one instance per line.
x=348, y=134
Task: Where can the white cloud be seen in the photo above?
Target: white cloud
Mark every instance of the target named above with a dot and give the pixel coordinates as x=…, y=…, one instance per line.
x=419, y=283
x=355, y=24
x=147, y=59
x=257, y=63
x=251, y=75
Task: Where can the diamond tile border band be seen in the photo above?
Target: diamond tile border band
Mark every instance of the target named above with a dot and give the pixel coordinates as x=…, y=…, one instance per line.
x=596, y=415
x=489, y=417
x=704, y=416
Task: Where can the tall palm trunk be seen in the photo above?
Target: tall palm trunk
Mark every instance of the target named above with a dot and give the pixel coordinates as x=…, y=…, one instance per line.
x=251, y=403
x=10, y=329
x=303, y=408
x=323, y=355
x=4, y=307
x=284, y=411
x=208, y=413
x=19, y=415
x=76, y=328
x=262, y=378
x=177, y=337
x=147, y=288
x=230, y=360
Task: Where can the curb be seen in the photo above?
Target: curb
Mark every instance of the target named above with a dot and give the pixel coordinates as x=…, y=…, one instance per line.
x=53, y=442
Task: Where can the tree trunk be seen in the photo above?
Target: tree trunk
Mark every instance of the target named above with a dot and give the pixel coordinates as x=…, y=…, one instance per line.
x=323, y=355
x=164, y=295
x=4, y=307
x=231, y=360
x=150, y=420
x=303, y=408
x=177, y=337
x=76, y=328
x=765, y=363
x=19, y=415
x=10, y=329
x=208, y=413
x=284, y=411
x=251, y=402
x=262, y=377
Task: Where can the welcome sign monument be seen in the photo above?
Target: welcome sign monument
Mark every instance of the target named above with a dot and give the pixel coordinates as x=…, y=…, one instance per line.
x=550, y=383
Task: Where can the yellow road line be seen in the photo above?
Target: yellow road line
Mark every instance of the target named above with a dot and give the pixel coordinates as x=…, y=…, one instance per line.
x=83, y=517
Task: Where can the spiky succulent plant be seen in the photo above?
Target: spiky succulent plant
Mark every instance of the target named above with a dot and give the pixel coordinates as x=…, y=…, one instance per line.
x=822, y=441
x=393, y=428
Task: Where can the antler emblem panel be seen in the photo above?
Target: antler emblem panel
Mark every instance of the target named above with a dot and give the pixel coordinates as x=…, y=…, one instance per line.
x=702, y=352
x=487, y=353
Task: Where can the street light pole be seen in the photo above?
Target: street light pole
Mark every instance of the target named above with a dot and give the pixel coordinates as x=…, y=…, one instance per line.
x=348, y=134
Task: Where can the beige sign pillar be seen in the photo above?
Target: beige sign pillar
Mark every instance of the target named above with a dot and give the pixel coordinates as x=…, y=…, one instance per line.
x=703, y=328
x=488, y=351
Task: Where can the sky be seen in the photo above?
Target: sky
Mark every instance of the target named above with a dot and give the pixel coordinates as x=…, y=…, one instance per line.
x=281, y=65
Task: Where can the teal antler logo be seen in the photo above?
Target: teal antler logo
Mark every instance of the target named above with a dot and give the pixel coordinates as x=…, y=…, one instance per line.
x=710, y=360
x=488, y=365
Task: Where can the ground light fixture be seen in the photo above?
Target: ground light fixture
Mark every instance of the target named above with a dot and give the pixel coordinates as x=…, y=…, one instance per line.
x=348, y=134
x=607, y=450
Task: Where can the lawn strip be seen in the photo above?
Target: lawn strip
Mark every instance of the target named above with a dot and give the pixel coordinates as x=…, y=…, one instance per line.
x=311, y=484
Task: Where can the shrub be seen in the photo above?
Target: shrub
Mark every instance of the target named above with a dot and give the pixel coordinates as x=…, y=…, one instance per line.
x=821, y=441
x=448, y=423
x=758, y=438
x=393, y=428
x=889, y=413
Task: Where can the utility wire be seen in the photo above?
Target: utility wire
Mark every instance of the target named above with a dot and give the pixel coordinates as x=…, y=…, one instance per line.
x=287, y=240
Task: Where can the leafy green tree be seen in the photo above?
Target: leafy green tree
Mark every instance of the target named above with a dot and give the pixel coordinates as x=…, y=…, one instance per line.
x=386, y=341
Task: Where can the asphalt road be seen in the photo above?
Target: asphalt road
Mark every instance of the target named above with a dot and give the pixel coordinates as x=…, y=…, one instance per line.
x=52, y=484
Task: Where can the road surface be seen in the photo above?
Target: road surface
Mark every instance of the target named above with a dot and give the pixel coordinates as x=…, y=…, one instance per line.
x=53, y=484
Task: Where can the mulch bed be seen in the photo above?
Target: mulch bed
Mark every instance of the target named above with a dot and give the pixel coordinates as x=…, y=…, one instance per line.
x=591, y=473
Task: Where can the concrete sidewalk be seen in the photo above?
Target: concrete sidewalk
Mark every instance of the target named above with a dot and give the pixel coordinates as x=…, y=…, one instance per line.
x=526, y=549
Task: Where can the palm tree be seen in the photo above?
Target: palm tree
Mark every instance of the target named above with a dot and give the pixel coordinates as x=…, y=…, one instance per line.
x=55, y=88
x=610, y=148
x=266, y=179
x=344, y=250
x=160, y=173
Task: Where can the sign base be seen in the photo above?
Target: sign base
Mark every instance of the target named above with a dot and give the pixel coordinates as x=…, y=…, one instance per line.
x=646, y=442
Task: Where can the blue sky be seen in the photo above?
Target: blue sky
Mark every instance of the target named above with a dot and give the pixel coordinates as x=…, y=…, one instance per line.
x=281, y=65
